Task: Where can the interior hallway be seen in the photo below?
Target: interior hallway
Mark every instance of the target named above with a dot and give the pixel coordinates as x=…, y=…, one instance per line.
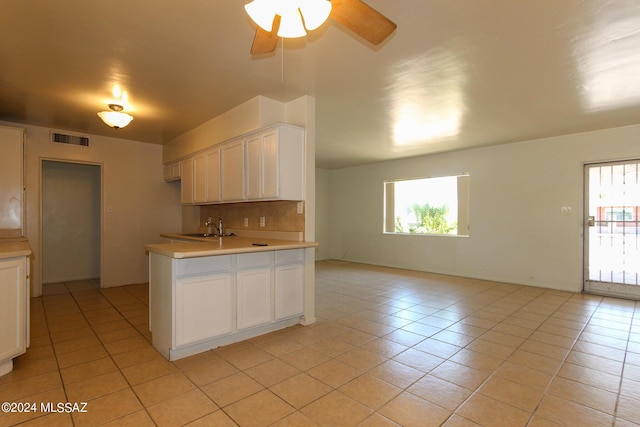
x=391, y=347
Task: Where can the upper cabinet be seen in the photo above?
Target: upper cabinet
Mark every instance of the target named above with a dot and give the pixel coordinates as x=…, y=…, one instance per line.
x=12, y=182
x=274, y=164
x=171, y=172
x=186, y=181
x=201, y=178
x=265, y=165
x=232, y=171
x=213, y=175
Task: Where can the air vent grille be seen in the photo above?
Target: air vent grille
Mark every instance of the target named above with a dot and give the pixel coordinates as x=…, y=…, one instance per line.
x=61, y=138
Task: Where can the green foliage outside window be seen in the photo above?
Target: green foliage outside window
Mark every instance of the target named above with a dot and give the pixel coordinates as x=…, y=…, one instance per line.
x=428, y=220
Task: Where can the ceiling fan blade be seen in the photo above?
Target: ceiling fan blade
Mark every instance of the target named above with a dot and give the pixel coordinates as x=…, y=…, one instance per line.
x=362, y=20
x=265, y=41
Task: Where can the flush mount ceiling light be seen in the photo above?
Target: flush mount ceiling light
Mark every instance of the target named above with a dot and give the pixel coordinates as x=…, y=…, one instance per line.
x=115, y=118
x=295, y=15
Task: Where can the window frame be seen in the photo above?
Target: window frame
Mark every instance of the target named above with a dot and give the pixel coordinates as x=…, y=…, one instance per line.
x=463, y=195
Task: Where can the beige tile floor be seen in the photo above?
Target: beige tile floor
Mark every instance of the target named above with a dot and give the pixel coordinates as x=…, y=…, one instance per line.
x=391, y=347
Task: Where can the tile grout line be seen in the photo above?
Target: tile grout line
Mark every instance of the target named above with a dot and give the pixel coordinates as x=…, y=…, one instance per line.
x=108, y=352
x=624, y=365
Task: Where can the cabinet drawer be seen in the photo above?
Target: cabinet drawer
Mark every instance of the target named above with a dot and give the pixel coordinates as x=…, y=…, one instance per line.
x=258, y=259
x=202, y=265
x=289, y=256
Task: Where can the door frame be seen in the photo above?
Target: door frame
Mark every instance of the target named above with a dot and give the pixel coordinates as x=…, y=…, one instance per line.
x=37, y=287
x=611, y=289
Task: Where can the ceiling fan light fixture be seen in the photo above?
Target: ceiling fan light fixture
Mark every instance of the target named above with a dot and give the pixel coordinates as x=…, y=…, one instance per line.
x=314, y=12
x=262, y=12
x=291, y=26
x=115, y=118
x=296, y=15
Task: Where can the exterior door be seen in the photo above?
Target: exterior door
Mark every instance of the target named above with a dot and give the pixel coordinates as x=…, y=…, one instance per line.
x=612, y=244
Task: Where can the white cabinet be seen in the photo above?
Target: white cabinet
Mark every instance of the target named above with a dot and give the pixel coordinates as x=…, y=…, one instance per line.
x=11, y=184
x=206, y=177
x=274, y=164
x=14, y=310
x=200, y=179
x=289, y=290
x=254, y=297
x=196, y=304
x=203, y=307
x=232, y=170
x=264, y=165
x=289, y=283
x=252, y=167
x=213, y=175
x=171, y=172
x=254, y=290
x=186, y=181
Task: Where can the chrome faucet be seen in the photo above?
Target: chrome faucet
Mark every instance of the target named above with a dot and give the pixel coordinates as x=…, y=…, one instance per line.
x=209, y=224
x=220, y=227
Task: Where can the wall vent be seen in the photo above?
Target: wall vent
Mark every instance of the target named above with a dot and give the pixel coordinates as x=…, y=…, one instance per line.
x=61, y=138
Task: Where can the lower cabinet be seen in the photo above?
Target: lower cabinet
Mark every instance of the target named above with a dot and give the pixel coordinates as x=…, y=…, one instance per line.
x=201, y=303
x=203, y=307
x=14, y=310
x=254, y=297
x=289, y=290
x=254, y=276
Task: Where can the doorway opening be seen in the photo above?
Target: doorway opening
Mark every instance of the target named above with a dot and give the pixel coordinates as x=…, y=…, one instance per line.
x=71, y=224
x=612, y=229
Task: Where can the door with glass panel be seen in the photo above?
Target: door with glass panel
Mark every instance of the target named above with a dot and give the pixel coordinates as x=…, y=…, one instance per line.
x=612, y=229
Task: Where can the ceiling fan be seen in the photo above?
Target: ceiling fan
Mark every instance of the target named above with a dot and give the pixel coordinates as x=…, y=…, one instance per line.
x=353, y=14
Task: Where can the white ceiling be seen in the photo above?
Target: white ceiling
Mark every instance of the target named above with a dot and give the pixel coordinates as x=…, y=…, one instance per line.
x=456, y=73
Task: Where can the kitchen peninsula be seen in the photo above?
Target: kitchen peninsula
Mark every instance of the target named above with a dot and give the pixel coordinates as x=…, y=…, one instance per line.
x=212, y=291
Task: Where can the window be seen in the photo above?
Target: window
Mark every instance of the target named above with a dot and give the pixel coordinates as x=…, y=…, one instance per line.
x=427, y=206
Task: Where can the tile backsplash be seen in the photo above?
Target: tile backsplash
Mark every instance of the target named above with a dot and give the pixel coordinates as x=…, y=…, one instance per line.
x=278, y=215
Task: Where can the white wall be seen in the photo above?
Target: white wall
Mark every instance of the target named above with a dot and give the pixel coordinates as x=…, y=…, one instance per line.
x=137, y=203
x=518, y=233
x=323, y=213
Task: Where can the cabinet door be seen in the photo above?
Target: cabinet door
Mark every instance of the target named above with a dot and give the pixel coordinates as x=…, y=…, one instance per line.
x=253, y=167
x=203, y=307
x=270, y=167
x=166, y=173
x=171, y=172
x=213, y=175
x=11, y=184
x=13, y=308
x=186, y=182
x=254, y=297
x=232, y=159
x=289, y=290
x=261, y=166
x=175, y=170
x=200, y=179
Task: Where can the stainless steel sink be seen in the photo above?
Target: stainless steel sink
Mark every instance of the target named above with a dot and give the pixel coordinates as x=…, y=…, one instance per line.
x=199, y=235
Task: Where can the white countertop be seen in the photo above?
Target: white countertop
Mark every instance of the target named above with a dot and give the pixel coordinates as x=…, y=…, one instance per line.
x=14, y=248
x=210, y=246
